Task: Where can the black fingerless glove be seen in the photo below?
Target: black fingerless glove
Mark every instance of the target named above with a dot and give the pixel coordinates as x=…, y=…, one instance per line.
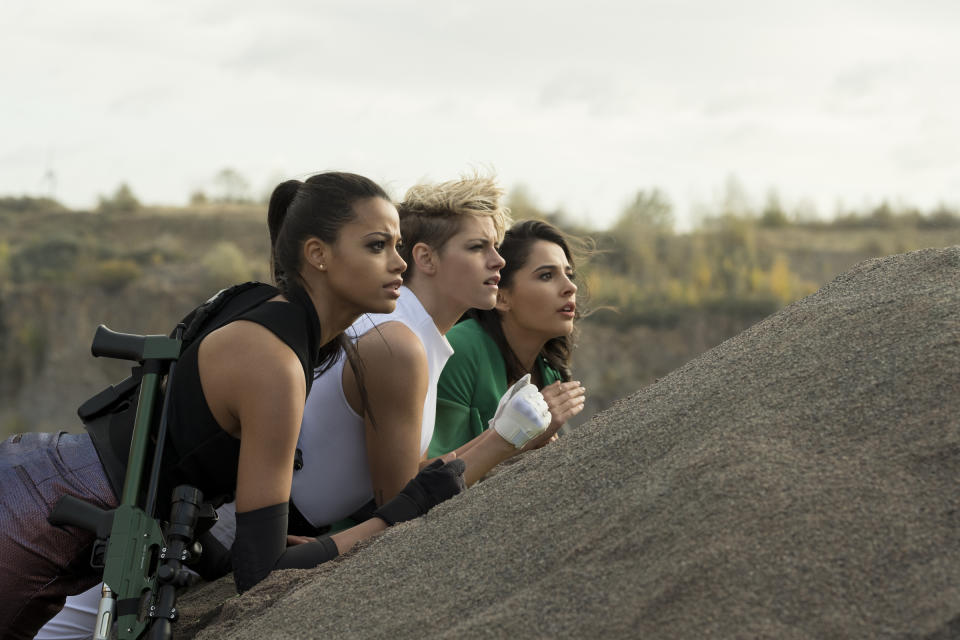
x=435, y=483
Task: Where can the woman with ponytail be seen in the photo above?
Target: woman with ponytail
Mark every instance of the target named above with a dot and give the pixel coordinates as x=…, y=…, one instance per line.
x=236, y=405
x=530, y=331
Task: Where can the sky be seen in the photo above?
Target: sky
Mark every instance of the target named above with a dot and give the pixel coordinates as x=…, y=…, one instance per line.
x=830, y=103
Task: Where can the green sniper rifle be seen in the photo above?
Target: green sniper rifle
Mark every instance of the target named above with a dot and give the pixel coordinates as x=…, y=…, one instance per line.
x=142, y=563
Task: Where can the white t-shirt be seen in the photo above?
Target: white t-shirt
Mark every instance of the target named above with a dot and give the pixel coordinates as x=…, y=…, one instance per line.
x=335, y=478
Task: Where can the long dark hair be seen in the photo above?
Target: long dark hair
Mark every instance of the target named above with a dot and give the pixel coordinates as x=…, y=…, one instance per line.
x=316, y=207
x=515, y=249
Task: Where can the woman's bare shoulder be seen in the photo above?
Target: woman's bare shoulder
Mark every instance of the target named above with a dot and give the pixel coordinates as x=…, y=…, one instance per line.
x=243, y=362
x=394, y=343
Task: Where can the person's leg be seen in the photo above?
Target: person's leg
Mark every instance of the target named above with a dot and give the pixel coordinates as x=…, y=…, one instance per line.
x=225, y=530
x=76, y=620
x=41, y=564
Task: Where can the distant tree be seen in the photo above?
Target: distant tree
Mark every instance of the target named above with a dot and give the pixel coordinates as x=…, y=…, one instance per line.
x=941, y=218
x=522, y=205
x=198, y=198
x=649, y=211
x=805, y=212
x=882, y=215
x=773, y=214
x=122, y=201
x=28, y=204
x=733, y=246
x=231, y=186
x=736, y=202
x=641, y=233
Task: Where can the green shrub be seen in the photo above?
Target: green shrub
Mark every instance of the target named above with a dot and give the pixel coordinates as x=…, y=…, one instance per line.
x=122, y=201
x=114, y=274
x=47, y=259
x=225, y=265
x=26, y=204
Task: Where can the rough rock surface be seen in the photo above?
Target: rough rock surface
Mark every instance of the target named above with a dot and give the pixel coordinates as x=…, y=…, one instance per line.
x=798, y=481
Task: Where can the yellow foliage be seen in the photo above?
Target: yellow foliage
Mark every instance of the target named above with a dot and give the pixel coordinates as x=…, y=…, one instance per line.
x=781, y=280
x=702, y=276
x=758, y=279
x=225, y=265
x=4, y=260
x=676, y=290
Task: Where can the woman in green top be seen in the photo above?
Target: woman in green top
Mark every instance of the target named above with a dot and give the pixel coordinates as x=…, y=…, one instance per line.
x=529, y=331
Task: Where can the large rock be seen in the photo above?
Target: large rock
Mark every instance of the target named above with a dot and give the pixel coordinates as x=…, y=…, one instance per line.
x=798, y=481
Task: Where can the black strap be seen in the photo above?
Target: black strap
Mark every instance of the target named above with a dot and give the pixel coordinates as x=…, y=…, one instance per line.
x=242, y=297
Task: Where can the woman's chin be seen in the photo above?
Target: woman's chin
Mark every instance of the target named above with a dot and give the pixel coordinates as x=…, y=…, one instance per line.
x=565, y=329
x=384, y=306
x=485, y=302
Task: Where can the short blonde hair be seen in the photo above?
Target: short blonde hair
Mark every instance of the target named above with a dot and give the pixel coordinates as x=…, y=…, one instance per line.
x=432, y=213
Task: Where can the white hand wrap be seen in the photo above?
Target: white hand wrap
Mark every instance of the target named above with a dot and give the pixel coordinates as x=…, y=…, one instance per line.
x=522, y=413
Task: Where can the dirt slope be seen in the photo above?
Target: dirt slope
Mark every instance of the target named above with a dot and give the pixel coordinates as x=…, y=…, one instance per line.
x=798, y=481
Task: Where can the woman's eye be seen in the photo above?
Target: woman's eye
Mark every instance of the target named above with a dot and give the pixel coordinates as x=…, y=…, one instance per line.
x=399, y=246
x=571, y=277
x=546, y=275
x=377, y=246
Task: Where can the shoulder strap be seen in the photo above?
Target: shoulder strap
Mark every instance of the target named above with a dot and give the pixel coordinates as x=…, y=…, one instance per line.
x=226, y=303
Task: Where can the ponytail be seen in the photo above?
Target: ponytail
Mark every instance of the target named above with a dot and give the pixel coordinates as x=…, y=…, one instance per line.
x=280, y=201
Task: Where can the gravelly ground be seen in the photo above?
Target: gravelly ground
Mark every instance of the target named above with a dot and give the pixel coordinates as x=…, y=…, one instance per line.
x=798, y=481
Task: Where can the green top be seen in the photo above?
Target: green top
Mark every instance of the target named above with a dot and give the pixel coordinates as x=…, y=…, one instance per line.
x=470, y=387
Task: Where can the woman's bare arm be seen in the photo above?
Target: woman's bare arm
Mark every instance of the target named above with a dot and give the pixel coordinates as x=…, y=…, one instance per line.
x=396, y=377
x=255, y=387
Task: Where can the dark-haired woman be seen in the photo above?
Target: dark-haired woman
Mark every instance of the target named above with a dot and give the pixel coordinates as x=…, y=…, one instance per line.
x=528, y=332
x=236, y=407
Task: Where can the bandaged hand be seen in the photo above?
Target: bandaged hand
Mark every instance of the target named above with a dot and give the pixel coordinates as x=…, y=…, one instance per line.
x=522, y=413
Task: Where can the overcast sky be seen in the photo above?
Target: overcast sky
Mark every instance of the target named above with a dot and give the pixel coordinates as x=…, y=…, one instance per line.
x=584, y=103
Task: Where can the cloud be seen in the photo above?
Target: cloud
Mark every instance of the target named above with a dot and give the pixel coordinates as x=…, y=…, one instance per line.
x=142, y=101
x=598, y=93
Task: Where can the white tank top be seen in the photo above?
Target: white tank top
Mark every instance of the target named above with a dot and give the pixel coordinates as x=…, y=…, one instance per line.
x=335, y=478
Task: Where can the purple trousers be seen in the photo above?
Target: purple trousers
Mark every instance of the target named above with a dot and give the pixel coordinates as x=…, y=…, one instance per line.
x=40, y=565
